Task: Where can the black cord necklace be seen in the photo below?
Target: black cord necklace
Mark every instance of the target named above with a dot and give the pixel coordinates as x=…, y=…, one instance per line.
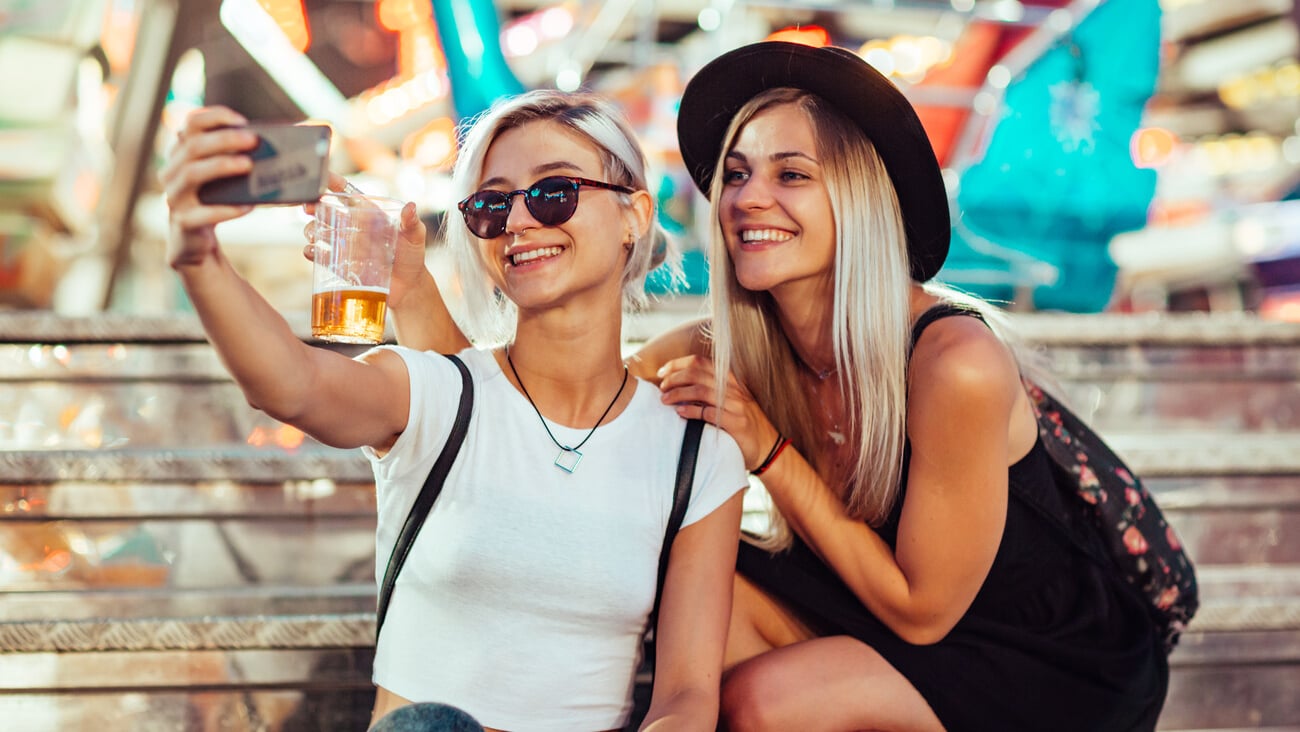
x=569, y=457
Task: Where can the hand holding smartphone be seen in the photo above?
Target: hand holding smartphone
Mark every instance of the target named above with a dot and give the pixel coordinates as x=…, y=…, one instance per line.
x=290, y=166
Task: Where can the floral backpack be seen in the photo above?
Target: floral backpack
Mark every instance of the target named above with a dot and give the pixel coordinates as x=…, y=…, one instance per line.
x=1116, y=521
x=1139, y=541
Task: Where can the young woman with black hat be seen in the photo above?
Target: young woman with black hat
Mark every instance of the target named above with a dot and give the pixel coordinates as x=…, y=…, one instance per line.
x=524, y=596
x=900, y=586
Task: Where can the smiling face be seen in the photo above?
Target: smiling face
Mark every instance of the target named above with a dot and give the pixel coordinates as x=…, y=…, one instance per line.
x=775, y=210
x=535, y=265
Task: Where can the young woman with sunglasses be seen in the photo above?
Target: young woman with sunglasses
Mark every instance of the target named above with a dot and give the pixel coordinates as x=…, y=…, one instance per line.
x=525, y=594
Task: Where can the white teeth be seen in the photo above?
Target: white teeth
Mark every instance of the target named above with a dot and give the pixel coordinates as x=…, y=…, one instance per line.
x=532, y=254
x=765, y=235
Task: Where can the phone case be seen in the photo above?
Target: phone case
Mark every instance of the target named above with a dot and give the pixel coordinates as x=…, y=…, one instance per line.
x=290, y=165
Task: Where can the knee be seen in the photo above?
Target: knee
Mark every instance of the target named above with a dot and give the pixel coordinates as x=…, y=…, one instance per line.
x=751, y=699
x=427, y=717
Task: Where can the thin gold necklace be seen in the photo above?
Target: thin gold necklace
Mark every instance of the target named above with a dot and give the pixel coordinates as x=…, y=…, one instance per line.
x=569, y=457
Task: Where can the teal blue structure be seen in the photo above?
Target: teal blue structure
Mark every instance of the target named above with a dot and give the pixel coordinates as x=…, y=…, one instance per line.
x=470, y=33
x=1057, y=180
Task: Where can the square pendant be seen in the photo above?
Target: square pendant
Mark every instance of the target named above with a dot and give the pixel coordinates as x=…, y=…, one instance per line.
x=568, y=460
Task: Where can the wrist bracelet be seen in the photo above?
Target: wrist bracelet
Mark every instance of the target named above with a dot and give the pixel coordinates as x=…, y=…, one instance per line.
x=770, y=453
x=781, y=443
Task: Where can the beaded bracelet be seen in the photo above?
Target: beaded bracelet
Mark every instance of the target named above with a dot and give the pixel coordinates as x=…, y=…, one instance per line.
x=781, y=443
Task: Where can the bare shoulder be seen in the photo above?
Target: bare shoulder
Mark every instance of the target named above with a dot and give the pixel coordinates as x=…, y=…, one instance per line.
x=960, y=359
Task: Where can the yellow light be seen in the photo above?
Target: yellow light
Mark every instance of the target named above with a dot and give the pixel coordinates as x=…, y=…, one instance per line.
x=1152, y=147
x=434, y=145
x=1287, y=79
x=291, y=16
x=418, y=49
x=1238, y=93
x=398, y=15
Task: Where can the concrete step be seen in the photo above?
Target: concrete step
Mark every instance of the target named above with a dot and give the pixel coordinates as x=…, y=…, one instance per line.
x=175, y=560
x=284, y=689
x=154, y=382
x=250, y=517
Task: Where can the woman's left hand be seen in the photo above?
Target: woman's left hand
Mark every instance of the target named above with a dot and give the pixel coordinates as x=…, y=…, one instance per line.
x=690, y=385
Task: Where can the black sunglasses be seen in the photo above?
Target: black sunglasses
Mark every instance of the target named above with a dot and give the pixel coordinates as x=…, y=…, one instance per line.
x=551, y=201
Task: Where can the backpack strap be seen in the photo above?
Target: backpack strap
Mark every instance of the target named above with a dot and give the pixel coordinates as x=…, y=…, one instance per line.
x=681, y=499
x=428, y=493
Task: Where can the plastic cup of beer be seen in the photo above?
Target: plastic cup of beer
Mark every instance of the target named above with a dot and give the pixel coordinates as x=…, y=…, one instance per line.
x=356, y=238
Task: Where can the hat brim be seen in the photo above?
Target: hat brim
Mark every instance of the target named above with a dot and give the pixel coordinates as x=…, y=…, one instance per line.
x=846, y=82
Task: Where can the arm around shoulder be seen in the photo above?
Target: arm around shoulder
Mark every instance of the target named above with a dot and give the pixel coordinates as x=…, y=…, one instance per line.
x=688, y=339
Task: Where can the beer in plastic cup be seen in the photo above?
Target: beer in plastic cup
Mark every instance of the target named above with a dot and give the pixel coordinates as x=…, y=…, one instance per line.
x=356, y=238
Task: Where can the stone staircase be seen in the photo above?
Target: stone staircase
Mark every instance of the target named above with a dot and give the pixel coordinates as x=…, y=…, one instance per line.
x=171, y=559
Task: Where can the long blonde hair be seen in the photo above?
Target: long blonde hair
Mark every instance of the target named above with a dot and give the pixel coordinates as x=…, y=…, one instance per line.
x=871, y=315
x=490, y=318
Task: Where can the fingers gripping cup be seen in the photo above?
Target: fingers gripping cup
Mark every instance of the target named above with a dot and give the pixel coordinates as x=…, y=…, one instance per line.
x=356, y=238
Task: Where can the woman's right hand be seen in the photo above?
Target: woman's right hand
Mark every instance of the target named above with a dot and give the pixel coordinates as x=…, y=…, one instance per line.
x=212, y=145
x=690, y=385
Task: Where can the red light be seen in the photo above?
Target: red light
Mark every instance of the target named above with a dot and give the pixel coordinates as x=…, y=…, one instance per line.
x=808, y=35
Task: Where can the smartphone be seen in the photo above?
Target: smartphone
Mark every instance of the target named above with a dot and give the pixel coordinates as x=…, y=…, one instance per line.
x=290, y=166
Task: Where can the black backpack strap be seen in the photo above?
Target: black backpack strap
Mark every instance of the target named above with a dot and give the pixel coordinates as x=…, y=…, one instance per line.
x=681, y=499
x=428, y=493
x=938, y=312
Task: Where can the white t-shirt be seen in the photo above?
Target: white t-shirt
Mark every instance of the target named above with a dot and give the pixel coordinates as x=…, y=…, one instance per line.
x=525, y=595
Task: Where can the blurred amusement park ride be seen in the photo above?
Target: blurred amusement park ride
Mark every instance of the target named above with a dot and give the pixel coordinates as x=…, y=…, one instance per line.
x=1100, y=154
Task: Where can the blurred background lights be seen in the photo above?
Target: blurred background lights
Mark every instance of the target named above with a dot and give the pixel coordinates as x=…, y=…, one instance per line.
x=1009, y=11
x=1152, y=147
x=999, y=77
x=906, y=56
x=528, y=34
x=568, y=79
x=1061, y=20
x=292, y=19
x=879, y=57
x=556, y=22
x=1291, y=150
x=709, y=19
x=398, y=15
x=520, y=40
x=808, y=35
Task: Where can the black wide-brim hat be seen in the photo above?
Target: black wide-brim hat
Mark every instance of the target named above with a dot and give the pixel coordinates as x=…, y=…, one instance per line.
x=850, y=85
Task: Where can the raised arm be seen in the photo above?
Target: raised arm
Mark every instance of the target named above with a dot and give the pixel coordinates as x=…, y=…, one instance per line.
x=337, y=400
x=964, y=388
x=420, y=316
x=693, y=617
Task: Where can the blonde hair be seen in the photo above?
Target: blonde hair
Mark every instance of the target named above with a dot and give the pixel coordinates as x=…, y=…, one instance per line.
x=489, y=317
x=869, y=332
x=871, y=317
